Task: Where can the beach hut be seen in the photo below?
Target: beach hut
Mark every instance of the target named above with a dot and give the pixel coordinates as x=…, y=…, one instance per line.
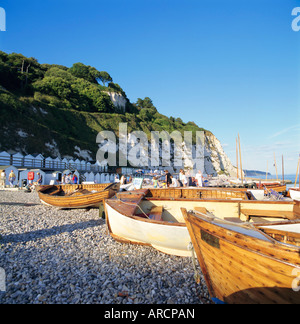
x=91, y=177
x=53, y=178
x=56, y=163
x=23, y=177
x=4, y=158
x=77, y=164
x=49, y=163
x=38, y=160
x=65, y=163
x=17, y=159
x=71, y=164
x=29, y=161
x=7, y=169
x=97, y=178
x=83, y=165
x=106, y=178
x=88, y=166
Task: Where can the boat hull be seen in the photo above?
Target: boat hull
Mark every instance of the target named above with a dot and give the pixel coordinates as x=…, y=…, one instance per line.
x=294, y=193
x=166, y=237
x=242, y=265
x=89, y=200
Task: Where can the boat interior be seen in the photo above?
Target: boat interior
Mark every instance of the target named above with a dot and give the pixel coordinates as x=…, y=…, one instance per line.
x=231, y=205
x=73, y=190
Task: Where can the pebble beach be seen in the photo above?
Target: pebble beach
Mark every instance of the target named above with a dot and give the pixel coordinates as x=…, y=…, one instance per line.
x=53, y=256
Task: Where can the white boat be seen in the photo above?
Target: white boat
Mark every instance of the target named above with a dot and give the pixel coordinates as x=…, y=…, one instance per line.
x=295, y=193
x=153, y=216
x=147, y=228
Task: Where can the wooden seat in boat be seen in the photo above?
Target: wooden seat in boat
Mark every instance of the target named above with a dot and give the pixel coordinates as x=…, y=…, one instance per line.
x=55, y=192
x=202, y=210
x=268, y=213
x=156, y=213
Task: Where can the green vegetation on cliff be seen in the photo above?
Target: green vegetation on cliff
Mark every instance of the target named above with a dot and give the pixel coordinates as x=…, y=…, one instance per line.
x=51, y=108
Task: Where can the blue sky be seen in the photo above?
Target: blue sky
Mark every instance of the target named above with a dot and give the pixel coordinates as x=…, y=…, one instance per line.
x=230, y=66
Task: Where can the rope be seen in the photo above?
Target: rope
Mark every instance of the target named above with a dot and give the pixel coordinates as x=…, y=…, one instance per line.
x=196, y=273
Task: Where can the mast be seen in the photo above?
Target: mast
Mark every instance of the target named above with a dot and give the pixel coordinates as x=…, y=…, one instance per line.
x=237, y=159
x=242, y=177
x=282, y=170
x=298, y=169
x=276, y=167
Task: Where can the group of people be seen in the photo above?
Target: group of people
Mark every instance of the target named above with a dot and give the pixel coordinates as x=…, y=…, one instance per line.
x=69, y=178
x=185, y=180
x=11, y=178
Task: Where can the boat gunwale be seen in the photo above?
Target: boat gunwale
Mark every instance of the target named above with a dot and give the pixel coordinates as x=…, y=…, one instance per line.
x=270, y=242
x=143, y=219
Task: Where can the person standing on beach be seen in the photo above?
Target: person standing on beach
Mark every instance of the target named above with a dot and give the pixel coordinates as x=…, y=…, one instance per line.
x=40, y=179
x=168, y=178
x=199, y=179
x=2, y=178
x=182, y=178
x=11, y=178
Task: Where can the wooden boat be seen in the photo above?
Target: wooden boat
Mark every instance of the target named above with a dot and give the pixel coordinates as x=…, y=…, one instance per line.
x=276, y=186
x=247, y=263
x=294, y=193
x=153, y=216
x=77, y=196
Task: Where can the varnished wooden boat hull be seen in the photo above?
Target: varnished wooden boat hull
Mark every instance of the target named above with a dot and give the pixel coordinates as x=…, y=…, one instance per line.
x=241, y=264
x=92, y=199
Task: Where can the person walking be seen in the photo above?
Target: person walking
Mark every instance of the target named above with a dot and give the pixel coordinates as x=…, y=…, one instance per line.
x=11, y=178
